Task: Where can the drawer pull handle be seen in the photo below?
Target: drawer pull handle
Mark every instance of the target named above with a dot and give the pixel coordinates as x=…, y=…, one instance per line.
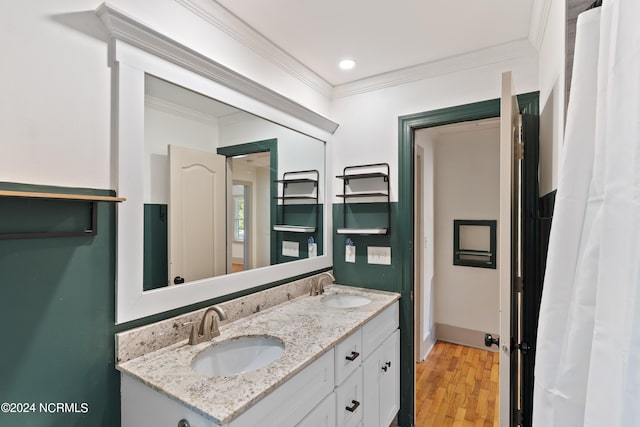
x=183, y=423
x=354, y=356
x=353, y=407
x=386, y=366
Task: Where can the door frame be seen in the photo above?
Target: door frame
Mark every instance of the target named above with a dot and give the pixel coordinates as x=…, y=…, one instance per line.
x=270, y=145
x=407, y=126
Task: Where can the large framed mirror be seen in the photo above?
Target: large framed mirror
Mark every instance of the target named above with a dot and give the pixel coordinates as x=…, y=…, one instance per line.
x=213, y=188
x=163, y=110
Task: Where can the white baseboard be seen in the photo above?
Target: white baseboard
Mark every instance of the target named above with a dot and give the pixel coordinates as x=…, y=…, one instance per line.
x=462, y=336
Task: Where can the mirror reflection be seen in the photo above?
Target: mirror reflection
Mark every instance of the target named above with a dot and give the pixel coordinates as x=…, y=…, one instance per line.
x=224, y=191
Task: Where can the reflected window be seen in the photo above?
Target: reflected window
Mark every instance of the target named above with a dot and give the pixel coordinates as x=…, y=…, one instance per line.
x=239, y=203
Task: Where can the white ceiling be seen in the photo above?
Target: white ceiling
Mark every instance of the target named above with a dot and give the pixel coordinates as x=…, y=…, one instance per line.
x=382, y=36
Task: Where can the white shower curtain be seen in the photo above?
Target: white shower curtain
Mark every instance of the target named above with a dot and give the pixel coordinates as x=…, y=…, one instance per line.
x=587, y=369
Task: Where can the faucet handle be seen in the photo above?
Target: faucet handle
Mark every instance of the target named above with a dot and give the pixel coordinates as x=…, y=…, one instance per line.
x=193, y=334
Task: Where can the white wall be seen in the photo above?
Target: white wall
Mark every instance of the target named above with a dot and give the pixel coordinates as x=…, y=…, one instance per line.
x=55, y=109
x=552, y=90
x=163, y=128
x=466, y=177
x=368, y=131
x=296, y=151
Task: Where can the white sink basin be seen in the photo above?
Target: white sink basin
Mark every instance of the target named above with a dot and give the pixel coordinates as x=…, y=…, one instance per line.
x=238, y=355
x=345, y=300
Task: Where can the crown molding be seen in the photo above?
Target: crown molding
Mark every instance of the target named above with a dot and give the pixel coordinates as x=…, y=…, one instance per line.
x=539, y=17
x=131, y=31
x=221, y=18
x=179, y=110
x=479, y=58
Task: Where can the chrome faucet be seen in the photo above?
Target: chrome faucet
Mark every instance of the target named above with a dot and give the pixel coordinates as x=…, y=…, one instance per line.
x=317, y=287
x=208, y=328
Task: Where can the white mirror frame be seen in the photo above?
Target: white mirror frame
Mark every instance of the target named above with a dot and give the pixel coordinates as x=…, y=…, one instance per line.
x=137, y=50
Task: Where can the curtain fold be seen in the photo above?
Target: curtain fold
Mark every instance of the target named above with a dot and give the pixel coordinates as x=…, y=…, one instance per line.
x=588, y=350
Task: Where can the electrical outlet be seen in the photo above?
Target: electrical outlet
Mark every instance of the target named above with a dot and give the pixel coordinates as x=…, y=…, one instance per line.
x=313, y=250
x=350, y=253
x=291, y=249
x=379, y=255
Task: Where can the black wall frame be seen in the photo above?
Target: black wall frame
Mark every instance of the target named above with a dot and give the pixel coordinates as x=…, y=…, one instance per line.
x=474, y=257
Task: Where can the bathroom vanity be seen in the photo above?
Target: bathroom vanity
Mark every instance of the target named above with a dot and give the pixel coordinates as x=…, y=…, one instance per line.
x=326, y=360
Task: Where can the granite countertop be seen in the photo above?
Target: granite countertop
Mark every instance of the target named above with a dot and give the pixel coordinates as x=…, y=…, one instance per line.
x=307, y=327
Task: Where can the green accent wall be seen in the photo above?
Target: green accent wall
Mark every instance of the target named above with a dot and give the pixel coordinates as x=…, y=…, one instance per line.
x=360, y=273
x=380, y=277
x=57, y=305
x=156, y=246
x=57, y=308
x=300, y=215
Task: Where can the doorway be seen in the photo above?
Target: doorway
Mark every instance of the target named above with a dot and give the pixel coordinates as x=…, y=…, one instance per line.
x=248, y=232
x=408, y=125
x=241, y=226
x=456, y=180
x=255, y=163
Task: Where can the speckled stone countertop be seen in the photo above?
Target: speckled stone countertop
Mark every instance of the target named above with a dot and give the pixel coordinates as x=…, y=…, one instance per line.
x=307, y=327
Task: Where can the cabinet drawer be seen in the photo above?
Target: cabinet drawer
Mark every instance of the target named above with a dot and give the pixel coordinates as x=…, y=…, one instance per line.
x=349, y=401
x=324, y=415
x=379, y=328
x=348, y=356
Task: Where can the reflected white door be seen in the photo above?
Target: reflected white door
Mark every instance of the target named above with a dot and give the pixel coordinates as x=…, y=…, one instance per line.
x=197, y=243
x=508, y=257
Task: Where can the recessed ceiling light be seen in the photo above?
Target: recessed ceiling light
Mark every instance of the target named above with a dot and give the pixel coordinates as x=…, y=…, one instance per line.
x=347, y=64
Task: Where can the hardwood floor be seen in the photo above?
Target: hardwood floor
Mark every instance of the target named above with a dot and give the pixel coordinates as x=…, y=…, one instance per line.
x=457, y=386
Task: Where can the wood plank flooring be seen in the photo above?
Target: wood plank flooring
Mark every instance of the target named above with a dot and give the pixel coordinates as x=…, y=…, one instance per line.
x=457, y=386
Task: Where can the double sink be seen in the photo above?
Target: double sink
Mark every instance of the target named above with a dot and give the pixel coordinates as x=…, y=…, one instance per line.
x=222, y=378
x=247, y=353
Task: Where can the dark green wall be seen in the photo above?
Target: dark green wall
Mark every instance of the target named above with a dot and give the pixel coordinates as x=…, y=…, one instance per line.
x=372, y=276
x=311, y=215
x=57, y=313
x=57, y=310
x=156, y=248
x=380, y=277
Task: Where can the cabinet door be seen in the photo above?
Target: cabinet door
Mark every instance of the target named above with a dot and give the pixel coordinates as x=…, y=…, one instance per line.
x=324, y=415
x=143, y=407
x=389, y=398
x=381, y=381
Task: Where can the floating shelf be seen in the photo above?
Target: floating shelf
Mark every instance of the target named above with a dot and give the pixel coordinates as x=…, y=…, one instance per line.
x=295, y=197
x=363, y=231
x=364, y=175
x=298, y=180
x=294, y=228
x=474, y=253
x=93, y=200
x=367, y=194
x=60, y=196
x=378, y=171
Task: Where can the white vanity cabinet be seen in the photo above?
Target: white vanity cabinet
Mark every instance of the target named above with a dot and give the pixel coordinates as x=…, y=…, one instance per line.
x=355, y=383
x=324, y=415
x=284, y=407
x=381, y=373
x=368, y=374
